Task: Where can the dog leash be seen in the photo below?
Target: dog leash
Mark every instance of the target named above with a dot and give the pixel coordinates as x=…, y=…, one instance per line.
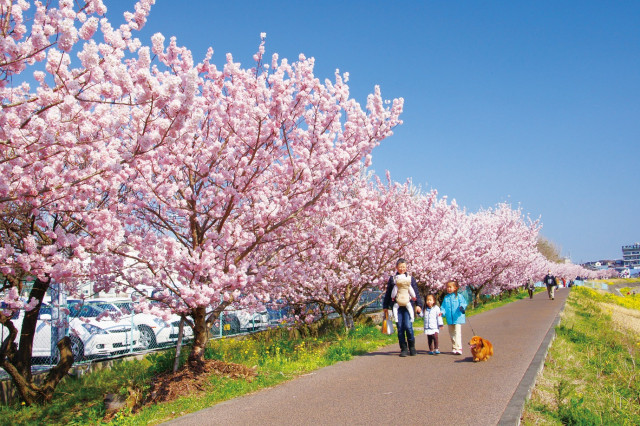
x=472, y=330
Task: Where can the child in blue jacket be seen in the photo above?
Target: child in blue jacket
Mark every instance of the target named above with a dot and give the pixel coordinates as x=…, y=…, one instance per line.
x=453, y=308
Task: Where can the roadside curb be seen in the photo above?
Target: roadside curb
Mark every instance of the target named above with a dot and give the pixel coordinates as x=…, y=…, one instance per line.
x=513, y=413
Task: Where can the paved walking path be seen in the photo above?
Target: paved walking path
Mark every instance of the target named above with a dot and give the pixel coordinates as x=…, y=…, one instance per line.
x=382, y=388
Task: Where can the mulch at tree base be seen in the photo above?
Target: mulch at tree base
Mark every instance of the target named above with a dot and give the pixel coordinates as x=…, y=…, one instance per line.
x=169, y=386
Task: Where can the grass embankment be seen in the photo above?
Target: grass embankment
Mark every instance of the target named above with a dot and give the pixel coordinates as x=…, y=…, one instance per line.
x=591, y=372
x=276, y=356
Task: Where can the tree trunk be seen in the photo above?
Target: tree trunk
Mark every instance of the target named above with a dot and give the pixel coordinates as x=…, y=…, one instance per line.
x=195, y=360
x=16, y=361
x=31, y=393
x=22, y=359
x=476, y=294
x=347, y=319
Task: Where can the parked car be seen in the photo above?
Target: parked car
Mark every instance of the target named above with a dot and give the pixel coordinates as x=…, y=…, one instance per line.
x=154, y=331
x=42, y=340
x=89, y=336
x=100, y=337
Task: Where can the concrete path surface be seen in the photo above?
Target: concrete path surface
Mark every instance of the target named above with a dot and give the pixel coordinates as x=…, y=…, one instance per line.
x=382, y=388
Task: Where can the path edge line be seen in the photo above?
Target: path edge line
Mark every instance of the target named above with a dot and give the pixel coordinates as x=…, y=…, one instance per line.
x=513, y=412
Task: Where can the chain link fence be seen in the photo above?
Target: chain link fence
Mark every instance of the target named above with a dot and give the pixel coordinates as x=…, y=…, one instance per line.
x=105, y=328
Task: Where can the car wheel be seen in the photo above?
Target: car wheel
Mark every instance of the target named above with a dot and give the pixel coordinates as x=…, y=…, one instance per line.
x=147, y=337
x=77, y=348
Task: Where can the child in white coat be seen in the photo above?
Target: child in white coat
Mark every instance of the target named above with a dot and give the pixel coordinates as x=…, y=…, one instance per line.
x=432, y=324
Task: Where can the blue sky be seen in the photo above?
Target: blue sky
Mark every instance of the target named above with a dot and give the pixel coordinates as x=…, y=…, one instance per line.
x=534, y=103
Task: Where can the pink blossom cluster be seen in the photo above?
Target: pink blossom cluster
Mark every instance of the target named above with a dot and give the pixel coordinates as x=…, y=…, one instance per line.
x=12, y=302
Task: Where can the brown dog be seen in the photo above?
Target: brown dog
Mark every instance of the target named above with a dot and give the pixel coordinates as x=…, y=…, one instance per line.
x=481, y=349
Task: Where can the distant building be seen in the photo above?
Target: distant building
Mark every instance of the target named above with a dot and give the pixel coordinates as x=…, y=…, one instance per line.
x=631, y=255
x=603, y=264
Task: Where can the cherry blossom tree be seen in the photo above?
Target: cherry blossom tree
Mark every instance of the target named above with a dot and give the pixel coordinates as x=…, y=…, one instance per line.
x=256, y=151
x=501, y=240
x=438, y=255
x=67, y=102
x=353, y=248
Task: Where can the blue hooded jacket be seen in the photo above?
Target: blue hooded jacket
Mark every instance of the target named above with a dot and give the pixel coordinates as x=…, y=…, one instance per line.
x=451, y=308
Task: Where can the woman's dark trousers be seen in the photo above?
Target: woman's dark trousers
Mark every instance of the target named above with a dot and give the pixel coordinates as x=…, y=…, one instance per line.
x=406, y=339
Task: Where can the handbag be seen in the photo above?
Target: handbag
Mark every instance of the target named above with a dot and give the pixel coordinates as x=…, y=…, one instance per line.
x=387, y=325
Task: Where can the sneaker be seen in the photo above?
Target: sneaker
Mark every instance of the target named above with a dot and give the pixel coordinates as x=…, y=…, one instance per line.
x=457, y=352
x=430, y=352
x=436, y=352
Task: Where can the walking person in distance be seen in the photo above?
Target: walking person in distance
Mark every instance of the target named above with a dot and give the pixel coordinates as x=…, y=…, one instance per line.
x=551, y=283
x=530, y=287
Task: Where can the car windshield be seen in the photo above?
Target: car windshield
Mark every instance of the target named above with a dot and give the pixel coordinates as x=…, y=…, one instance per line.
x=106, y=307
x=83, y=310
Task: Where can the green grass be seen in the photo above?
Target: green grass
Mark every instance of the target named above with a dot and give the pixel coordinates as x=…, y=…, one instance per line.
x=591, y=371
x=277, y=355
